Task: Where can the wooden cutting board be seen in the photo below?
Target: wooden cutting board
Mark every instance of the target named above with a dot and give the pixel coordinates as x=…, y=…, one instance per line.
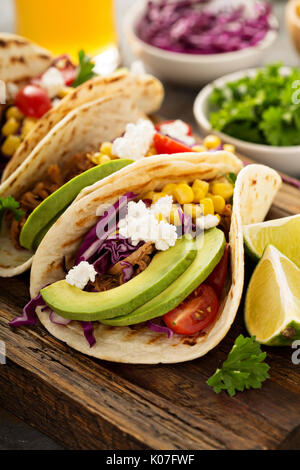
x=90, y=404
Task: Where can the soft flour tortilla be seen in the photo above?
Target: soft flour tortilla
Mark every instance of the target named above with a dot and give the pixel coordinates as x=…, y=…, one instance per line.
x=145, y=91
x=255, y=188
x=82, y=130
x=20, y=59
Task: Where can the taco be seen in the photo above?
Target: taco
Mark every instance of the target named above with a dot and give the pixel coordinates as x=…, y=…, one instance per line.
x=112, y=288
x=46, y=89
x=86, y=146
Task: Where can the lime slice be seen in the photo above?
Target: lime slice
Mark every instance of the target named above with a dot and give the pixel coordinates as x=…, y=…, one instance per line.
x=272, y=308
x=283, y=233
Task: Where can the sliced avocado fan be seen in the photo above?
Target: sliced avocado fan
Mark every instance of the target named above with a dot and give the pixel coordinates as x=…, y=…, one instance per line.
x=44, y=216
x=210, y=252
x=165, y=267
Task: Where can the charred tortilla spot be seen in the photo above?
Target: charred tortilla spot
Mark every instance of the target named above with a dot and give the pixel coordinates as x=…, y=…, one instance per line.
x=253, y=182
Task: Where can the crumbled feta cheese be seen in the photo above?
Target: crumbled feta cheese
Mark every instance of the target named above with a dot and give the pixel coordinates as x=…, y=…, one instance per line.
x=207, y=221
x=137, y=68
x=52, y=81
x=140, y=224
x=163, y=206
x=136, y=141
x=178, y=130
x=81, y=274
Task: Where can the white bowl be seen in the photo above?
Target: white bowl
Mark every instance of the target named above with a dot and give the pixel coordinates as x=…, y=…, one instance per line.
x=285, y=159
x=190, y=69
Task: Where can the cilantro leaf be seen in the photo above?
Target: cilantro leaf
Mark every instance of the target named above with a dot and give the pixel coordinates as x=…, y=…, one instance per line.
x=231, y=178
x=243, y=368
x=85, y=69
x=9, y=203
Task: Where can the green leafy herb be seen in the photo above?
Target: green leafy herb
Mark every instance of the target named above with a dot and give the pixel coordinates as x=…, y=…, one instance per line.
x=85, y=69
x=231, y=178
x=8, y=203
x=243, y=368
x=262, y=109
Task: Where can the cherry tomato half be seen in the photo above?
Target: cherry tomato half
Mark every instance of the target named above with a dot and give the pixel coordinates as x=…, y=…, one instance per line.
x=69, y=74
x=33, y=101
x=218, y=277
x=164, y=144
x=159, y=125
x=195, y=313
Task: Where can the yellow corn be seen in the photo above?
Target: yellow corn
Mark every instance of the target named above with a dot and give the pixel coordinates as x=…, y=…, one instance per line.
x=104, y=159
x=199, y=148
x=183, y=193
x=160, y=218
x=148, y=195
x=157, y=196
x=105, y=148
x=169, y=189
x=200, y=189
x=65, y=91
x=194, y=210
x=10, y=127
x=219, y=203
x=14, y=112
x=211, y=141
x=28, y=125
x=99, y=158
x=10, y=145
x=222, y=189
x=174, y=217
x=229, y=148
x=208, y=206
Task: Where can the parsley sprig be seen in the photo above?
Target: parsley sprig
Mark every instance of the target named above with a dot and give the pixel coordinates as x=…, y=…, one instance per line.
x=243, y=368
x=9, y=203
x=85, y=69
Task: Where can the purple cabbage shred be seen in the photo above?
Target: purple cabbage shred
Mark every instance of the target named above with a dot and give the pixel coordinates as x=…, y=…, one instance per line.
x=160, y=328
x=88, y=331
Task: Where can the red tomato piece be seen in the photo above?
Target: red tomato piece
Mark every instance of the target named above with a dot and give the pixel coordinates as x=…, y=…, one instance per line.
x=218, y=277
x=195, y=313
x=33, y=101
x=164, y=144
x=69, y=74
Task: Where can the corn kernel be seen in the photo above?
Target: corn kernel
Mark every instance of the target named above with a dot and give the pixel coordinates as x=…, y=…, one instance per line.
x=212, y=142
x=148, y=195
x=10, y=127
x=169, y=189
x=157, y=196
x=28, y=125
x=219, y=203
x=105, y=148
x=65, y=91
x=183, y=193
x=174, y=216
x=199, y=148
x=208, y=206
x=222, y=189
x=14, y=112
x=200, y=189
x=194, y=210
x=229, y=148
x=160, y=218
x=10, y=145
x=104, y=159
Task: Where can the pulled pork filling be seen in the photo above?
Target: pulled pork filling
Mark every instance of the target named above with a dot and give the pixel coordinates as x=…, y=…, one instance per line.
x=55, y=178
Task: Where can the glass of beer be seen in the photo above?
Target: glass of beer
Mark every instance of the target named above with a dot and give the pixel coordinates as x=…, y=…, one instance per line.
x=66, y=26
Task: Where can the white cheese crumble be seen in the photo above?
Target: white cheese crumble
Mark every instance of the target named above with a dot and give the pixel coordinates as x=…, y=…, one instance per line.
x=178, y=130
x=136, y=141
x=140, y=224
x=163, y=206
x=81, y=274
x=207, y=221
x=137, y=68
x=52, y=81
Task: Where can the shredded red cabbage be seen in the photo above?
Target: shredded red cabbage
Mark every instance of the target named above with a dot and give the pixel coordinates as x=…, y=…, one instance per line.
x=28, y=317
x=160, y=328
x=88, y=331
x=186, y=223
x=127, y=271
x=204, y=26
x=57, y=319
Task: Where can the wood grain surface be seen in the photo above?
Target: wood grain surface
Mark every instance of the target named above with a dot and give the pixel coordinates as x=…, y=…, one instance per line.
x=84, y=403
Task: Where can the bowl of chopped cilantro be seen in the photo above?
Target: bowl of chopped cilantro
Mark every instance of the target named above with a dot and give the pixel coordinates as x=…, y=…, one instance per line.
x=258, y=111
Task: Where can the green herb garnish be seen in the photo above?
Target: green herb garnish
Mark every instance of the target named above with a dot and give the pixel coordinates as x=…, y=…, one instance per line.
x=243, y=368
x=85, y=69
x=231, y=178
x=9, y=203
x=260, y=109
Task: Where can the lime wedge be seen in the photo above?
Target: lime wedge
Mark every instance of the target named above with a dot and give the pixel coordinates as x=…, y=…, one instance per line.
x=272, y=308
x=283, y=233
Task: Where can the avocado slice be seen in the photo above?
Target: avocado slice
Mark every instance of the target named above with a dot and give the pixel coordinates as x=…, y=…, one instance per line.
x=208, y=256
x=57, y=202
x=166, y=266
